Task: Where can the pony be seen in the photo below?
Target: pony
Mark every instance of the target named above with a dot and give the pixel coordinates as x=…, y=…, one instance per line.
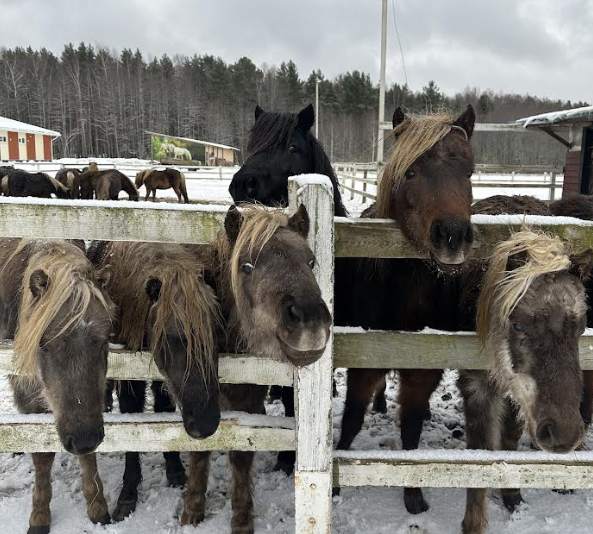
x=104, y=185
x=53, y=304
x=503, y=204
x=181, y=153
x=426, y=187
x=168, y=149
x=19, y=183
x=165, y=305
x=168, y=178
x=262, y=269
x=67, y=176
x=531, y=311
x=281, y=145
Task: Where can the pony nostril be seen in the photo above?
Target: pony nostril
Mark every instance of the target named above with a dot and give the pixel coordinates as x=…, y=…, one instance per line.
x=545, y=433
x=435, y=234
x=296, y=314
x=69, y=443
x=251, y=187
x=469, y=234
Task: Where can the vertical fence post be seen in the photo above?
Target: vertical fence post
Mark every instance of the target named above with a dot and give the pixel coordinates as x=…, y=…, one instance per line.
x=553, y=186
x=313, y=384
x=364, y=185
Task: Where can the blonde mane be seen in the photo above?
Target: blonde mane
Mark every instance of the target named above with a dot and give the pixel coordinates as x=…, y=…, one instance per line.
x=502, y=289
x=183, y=298
x=71, y=279
x=413, y=137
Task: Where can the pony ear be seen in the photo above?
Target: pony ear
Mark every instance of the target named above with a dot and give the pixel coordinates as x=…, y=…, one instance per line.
x=581, y=264
x=38, y=283
x=467, y=121
x=398, y=117
x=232, y=223
x=307, y=118
x=299, y=222
x=103, y=276
x=153, y=289
x=258, y=111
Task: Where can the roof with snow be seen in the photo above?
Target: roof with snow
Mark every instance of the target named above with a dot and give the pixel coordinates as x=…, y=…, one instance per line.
x=564, y=117
x=190, y=140
x=18, y=126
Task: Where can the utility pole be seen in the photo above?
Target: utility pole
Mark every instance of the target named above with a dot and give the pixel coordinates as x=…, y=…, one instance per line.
x=382, y=84
x=317, y=106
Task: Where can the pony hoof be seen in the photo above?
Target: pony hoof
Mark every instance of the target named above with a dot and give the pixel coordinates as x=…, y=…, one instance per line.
x=414, y=501
x=176, y=479
x=275, y=393
x=563, y=491
x=380, y=406
x=336, y=492
x=512, y=501
x=242, y=530
x=194, y=519
x=287, y=467
x=105, y=519
x=123, y=510
x=38, y=530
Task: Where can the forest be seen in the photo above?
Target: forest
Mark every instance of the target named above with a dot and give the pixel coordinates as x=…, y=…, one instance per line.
x=103, y=102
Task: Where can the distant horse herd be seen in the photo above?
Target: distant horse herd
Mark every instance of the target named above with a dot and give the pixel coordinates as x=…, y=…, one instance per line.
x=253, y=290
x=91, y=183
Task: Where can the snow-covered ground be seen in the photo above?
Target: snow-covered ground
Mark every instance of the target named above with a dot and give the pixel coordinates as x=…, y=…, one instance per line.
x=355, y=511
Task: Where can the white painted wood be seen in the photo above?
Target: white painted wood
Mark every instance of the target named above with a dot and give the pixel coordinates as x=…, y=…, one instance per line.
x=313, y=384
x=465, y=469
x=232, y=368
x=152, y=433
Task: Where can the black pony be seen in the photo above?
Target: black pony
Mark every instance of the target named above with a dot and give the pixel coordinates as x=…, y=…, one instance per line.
x=281, y=145
x=21, y=183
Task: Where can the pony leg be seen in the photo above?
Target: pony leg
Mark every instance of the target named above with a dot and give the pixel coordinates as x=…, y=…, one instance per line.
x=415, y=389
x=178, y=193
x=242, y=492
x=511, y=434
x=362, y=383
x=131, y=396
x=40, y=517
x=147, y=193
x=92, y=487
x=194, y=500
x=109, y=387
x=484, y=411
x=154, y=195
x=287, y=459
x=173, y=466
x=379, y=401
x=587, y=401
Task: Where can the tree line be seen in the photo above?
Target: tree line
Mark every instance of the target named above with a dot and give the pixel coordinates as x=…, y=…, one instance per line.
x=103, y=102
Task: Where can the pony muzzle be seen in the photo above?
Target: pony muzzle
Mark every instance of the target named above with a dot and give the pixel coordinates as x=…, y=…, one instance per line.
x=83, y=441
x=560, y=436
x=201, y=424
x=451, y=241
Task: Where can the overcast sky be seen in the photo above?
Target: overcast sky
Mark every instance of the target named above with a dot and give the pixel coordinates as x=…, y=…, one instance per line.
x=542, y=47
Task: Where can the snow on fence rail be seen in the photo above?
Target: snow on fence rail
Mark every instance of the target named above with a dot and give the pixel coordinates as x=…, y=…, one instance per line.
x=310, y=433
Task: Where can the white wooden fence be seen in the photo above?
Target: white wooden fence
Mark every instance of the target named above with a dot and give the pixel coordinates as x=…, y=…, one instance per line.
x=349, y=175
x=311, y=431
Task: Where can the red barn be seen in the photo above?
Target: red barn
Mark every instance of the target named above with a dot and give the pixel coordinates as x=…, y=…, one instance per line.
x=25, y=142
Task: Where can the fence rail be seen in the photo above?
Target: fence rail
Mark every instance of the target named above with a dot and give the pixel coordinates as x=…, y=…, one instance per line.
x=311, y=430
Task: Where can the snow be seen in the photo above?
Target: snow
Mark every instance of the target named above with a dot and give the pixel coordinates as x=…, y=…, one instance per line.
x=582, y=114
x=18, y=126
x=529, y=220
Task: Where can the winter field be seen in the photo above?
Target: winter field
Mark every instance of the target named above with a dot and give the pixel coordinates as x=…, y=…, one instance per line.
x=356, y=510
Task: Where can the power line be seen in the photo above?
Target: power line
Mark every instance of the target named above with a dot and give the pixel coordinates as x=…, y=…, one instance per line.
x=401, y=51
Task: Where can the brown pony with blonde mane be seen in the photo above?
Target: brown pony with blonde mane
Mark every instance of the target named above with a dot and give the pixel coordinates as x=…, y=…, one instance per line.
x=52, y=303
x=426, y=188
x=262, y=269
x=531, y=311
x=166, y=306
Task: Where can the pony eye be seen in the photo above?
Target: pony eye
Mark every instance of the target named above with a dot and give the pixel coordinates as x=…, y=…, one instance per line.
x=247, y=268
x=312, y=264
x=409, y=174
x=292, y=149
x=517, y=327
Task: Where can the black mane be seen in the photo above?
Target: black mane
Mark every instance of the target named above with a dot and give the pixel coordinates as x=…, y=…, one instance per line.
x=272, y=130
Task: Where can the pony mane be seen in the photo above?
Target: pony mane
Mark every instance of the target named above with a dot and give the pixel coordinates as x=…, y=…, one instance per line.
x=502, y=289
x=133, y=264
x=413, y=137
x=273, y=129
x=71, y=278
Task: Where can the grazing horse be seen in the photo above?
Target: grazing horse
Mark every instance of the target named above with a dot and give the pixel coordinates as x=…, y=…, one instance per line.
x=67, y=177
x=281, y=145
x=164, y=304
x=531, y=311
x=262, y=269
x=19, y=183
x=426, y=188
x=153, y=179
x=103, y=185
x=53, y=304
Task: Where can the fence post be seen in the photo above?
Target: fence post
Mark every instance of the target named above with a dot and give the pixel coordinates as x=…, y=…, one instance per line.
x=313, y=384
x=553, y=186
x=364, y=185
x=220, y=172
x=353, y=171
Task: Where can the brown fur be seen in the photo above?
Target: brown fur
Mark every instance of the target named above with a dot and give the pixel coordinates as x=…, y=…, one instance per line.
x=166, y=179
x=579, y=206
x=517, y=204
x=103, y=185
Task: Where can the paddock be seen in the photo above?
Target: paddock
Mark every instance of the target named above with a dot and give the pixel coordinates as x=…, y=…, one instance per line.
x=310, y=432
